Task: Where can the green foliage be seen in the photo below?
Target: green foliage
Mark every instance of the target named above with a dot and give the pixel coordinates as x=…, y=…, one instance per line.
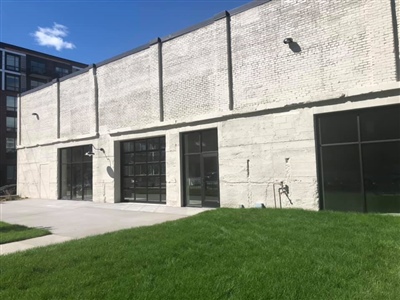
x=221, y=254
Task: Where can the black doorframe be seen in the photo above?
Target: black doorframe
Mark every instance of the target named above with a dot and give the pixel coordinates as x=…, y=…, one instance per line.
x=82, y=163
x=360, y=142
x=201, y=155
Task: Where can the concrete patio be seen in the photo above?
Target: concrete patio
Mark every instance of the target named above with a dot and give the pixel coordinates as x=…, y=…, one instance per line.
x=69, y=220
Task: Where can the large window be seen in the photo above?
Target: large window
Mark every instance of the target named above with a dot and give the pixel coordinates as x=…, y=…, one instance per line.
x=11, y=124
x=359, y=160
x=76, y=173
x=10, y=145
x=143, y=170
x=11, y=103
x=13, y=62
x=38, y=67
x=12, y=82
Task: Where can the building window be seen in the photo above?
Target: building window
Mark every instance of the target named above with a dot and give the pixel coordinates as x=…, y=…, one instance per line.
x=12, y=62
x=61, y=72
x=12, y=83
x=38, y=67
x=11, y=103
x=143, y=170
x=10, y=145
x=35, y=83
x=358, y=159
x=11, y=124
x=11, y=174
x=76, y=173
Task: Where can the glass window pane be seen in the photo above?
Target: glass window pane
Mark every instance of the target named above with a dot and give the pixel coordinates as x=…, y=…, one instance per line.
x=129, y=183
x=338, y=128
x=11, y=103
x=153, y=156
x=163, y=195
x=140, y=157
x=153, y=169
x=77, y=153
x=211, y=178
x=209, y=140
x=342, y=178
x=162, y=143
x=381, y=123
x=77, y=175
x=141, y=170
x=191, y=142
x=86, y=149
x=66, y=181
x=140, y=145
x=11, y=124
x=129, y=159
x=128, y=146
x=193, y=180
x=153, y=181
x=381, y=166
x=129, y=195
x=129, y=170
x=65, y=156
x=153, y=144
x=87, y=181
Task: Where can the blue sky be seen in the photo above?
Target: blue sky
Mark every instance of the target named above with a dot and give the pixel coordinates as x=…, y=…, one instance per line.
x=91, y=31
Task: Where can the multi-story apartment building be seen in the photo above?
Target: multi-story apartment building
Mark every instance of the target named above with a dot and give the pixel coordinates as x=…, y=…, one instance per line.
x=21, y=70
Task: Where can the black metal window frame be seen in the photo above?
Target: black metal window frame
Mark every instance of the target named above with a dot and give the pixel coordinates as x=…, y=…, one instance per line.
x=15, y=66
x=200, y=153
x=161, y=165
x=360, y=142
x=70, y=162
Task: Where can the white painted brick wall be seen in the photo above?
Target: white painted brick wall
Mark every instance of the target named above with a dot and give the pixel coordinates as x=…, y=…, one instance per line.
x=128, y=96
x=195, y=73
x=77, y=110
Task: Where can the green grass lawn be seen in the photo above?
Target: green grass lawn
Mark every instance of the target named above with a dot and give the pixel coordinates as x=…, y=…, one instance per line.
x=12, y=233
x=222, y=254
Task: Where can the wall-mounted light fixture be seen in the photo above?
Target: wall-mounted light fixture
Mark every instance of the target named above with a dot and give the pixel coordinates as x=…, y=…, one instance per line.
x=35, y=114
x=288, y=41
x=91, y=153
x=292, y=44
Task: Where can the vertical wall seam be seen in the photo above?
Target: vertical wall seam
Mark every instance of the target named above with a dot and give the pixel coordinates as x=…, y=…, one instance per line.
x=58, y=109
x=395, y=38
x=160, y=79
x=96, y=99
x=229, y=56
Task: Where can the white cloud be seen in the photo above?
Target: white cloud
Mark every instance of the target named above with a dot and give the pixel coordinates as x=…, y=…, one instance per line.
x=53, y=37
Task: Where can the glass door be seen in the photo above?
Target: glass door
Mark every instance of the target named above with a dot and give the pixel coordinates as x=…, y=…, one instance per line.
x=76, y=173
x=200, y=168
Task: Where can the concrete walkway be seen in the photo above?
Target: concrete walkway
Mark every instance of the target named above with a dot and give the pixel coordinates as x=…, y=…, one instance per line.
x=69, y=220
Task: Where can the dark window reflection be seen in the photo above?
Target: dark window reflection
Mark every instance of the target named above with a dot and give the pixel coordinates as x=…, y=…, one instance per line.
x=338, y=128
x=192, y=142
x=382, y=176
x=342, y=178
x=209, y=140
x=382, y=123
x=193, y=178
